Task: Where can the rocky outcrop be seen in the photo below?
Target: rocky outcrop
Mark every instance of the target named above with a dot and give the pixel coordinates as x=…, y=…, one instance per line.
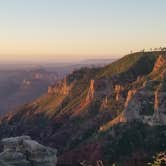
x=119, y=119
x=159, y=63
x=88, y=98
x=130, y=94
x=91, y=91
x=156, y=101
x=50, y=90
x=139, y=105
x=118, y=91
x=104, y=103
x=22, y=151
x=159, y=106
x=61, y=88
x=147, y=106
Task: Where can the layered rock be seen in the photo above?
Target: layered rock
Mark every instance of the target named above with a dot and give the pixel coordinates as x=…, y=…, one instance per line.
x=159, y=106
x=104, y=103
x=91, y=91
x=22, y=151
x=130, y=94
x=154, y=103
x=119, y=119
x=118, y=90
x=61, y=88
x=159, y=63
x=146, y=104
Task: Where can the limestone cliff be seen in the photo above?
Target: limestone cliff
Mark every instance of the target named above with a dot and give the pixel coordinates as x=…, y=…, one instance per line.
x=147, y=106
x=159, y=63
x=22, y=151
x=129, y=96
x=159, y=106
x=118, y=91
x=61, y=88
x=91, y=91
x=119, y=119
x=156, y=102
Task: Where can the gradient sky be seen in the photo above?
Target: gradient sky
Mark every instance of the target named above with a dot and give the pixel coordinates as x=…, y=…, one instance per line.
x=46, y=30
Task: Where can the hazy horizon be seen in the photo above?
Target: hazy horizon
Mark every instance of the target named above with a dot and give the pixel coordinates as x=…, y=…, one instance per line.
x=54, y=61
x=71, y=30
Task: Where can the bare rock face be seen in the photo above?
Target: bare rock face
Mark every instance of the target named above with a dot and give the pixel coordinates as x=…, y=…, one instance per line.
x=133, y=104
x=130, y=94
x=156, y=106
x=104, y=104
x=118, y=90
x=147, y=106
x=160, y=106
x=159, y=63
x=61, y=88
x=22, y=151
x=91, y=91
x=50, y=90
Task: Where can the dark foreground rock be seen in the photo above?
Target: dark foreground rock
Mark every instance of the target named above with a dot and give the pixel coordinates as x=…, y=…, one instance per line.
x=22, y=151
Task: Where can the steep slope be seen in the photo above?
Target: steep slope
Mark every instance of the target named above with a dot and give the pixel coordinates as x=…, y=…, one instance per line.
x=79, y=112
x=146, y=103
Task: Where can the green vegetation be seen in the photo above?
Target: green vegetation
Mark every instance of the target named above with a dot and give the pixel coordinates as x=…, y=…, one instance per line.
x=136, y=61
x=133, y=138
x=147, y=108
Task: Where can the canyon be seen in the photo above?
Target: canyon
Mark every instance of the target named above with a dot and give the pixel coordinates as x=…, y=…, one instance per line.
x=111, y=114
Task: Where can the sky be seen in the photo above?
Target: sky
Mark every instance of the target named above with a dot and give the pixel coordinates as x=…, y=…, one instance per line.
x=69, y=30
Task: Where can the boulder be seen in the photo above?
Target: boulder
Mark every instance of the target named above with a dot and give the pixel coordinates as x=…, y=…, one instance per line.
x=22, y=151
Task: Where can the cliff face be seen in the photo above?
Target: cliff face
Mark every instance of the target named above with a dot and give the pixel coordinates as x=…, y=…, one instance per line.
x=144, y=102
x=61, y=88
x=146, y=106
x=118, y=91
x=159, y=106
x=25, y=152
x=130, y=95
x=91, y=91
x=161, y=61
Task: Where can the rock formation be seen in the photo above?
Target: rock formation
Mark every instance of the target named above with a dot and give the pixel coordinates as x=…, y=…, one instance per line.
x=119, y=119
x=160, y=62
x=129, y=96
x=65, y=88
x=118, y=90
x=91, y=91
x=104, y=103
x=22, y=151
x=156, y=102
x=61, y=88
x=50, y=90
x=159, y=106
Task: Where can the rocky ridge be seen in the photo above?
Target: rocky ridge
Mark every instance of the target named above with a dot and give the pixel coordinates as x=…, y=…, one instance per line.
x=146, y=103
